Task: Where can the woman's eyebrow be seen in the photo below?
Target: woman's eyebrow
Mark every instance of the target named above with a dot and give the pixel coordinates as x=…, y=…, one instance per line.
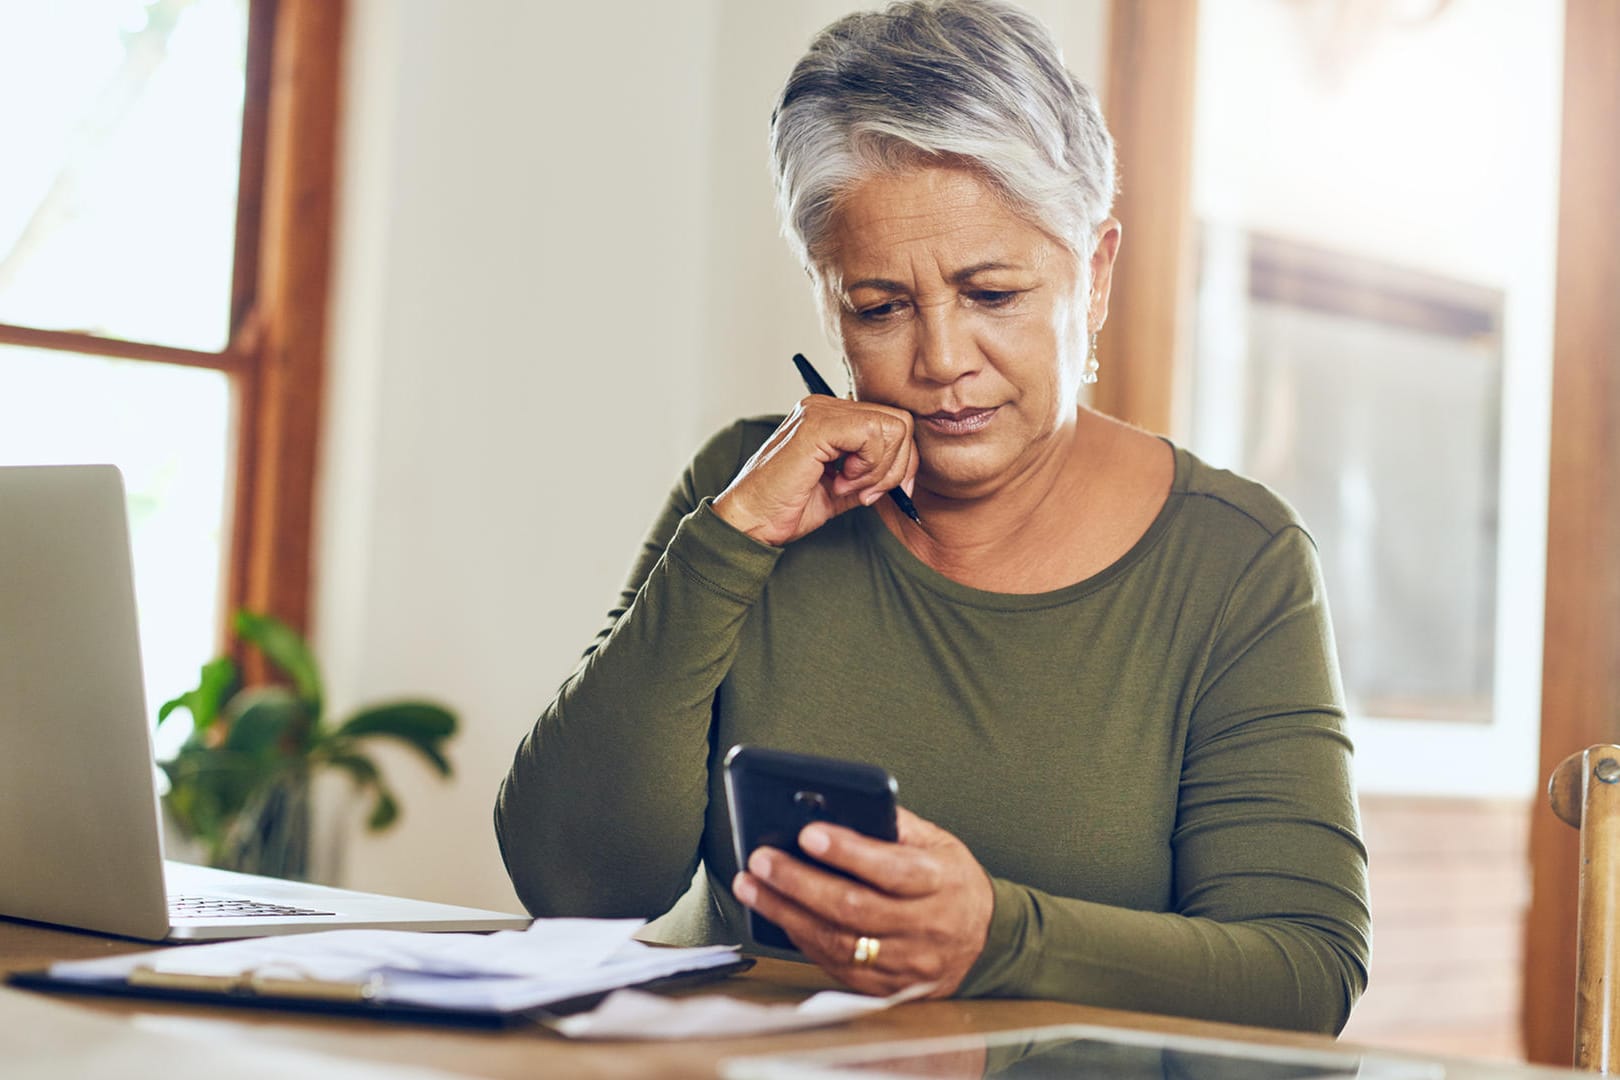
x=883, y=284
x=967, y=273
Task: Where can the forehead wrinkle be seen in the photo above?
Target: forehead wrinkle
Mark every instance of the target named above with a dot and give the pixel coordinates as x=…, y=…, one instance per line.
x=935, y=252
x=944, y=230
x=954, y=277
x=876, y=218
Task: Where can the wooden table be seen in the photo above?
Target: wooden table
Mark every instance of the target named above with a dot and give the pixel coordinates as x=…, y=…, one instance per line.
x=34, y=1027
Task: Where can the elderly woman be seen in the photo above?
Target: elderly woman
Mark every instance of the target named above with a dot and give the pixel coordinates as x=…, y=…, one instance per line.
x=1101, y=670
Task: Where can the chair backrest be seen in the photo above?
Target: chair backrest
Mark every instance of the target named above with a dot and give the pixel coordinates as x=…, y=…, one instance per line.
x=1585, y=791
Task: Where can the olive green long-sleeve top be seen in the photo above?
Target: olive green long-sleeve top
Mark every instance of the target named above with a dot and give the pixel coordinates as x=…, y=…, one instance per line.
x=1151, y=764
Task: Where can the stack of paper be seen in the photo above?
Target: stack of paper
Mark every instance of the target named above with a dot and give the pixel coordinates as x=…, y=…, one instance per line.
x=555, y=960
x=630, y=1014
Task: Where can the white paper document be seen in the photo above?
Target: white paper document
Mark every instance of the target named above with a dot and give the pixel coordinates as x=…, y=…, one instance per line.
x=549, y=948
x=552, y=961
x=631, y=1014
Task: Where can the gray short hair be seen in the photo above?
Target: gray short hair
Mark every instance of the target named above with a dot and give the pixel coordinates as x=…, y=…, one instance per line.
x=974, y=83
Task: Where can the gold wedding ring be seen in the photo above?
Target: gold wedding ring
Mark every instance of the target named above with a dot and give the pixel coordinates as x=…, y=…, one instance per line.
x=866, y=950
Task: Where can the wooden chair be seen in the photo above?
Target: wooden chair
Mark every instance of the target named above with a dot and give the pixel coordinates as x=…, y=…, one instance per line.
x=1585, y=791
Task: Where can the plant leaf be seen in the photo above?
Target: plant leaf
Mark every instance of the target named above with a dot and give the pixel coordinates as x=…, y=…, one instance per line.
x=384, y=811
x=385, y=807
x=215, y=684
x=361, y=768
x=208, y=789
x=286, y=649
x=419, y=724
x=261, y=718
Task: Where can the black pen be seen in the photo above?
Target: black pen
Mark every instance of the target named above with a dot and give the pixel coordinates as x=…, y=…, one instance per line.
x=818, y=385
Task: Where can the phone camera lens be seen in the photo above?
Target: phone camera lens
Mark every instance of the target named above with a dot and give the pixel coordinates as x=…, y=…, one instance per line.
x=812, y=803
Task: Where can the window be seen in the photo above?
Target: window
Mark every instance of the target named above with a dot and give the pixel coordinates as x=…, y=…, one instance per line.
x=145, y=314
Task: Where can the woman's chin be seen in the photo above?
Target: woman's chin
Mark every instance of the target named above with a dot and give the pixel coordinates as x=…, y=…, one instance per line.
x=961, y=475
x=975, y=468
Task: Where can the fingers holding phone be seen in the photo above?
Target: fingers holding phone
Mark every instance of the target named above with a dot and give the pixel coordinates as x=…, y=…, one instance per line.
x=875, y=895
x=773, y=794
x=878, y=916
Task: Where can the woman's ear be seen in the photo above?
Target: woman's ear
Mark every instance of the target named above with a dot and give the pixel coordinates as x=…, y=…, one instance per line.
x=1102, y=273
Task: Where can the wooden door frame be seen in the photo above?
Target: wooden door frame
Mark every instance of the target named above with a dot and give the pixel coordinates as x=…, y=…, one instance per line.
x=1148, y=101
x=1580, y=681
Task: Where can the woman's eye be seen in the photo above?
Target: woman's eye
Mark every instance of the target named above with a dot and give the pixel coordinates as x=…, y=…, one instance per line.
x=878, y=312
x=992, y=298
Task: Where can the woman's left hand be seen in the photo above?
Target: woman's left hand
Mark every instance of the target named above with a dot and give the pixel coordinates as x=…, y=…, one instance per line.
x=926, y=901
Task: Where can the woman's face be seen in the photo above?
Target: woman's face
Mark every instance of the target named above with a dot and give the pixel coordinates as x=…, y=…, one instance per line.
x=959, y=311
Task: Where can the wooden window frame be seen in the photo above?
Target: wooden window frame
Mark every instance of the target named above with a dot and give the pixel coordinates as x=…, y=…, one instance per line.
x=275, y=350
x=283, y=311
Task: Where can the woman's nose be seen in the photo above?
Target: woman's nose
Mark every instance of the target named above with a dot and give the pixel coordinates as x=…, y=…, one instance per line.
x=944, y=348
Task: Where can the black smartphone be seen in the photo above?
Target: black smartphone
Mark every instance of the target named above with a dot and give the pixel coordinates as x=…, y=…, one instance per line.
x=772, y=794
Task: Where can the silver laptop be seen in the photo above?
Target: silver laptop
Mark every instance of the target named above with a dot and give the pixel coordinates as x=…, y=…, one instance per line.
x=80, y=843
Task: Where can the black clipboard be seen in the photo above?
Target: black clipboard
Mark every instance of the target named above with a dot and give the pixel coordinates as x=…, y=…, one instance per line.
x=322, y=998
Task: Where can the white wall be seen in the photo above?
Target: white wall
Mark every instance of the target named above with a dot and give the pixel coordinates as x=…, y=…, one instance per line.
x=557, y=270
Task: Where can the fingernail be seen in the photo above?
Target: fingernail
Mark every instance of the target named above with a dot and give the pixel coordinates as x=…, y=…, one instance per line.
x=744, y=889
x=814, y=840
x=759, y=864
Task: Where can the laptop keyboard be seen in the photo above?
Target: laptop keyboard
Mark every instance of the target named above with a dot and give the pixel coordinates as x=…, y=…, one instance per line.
x=230, y=907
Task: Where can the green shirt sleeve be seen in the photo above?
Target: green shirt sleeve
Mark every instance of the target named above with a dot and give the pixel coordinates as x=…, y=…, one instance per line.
x=602, y=812
x=1270, y=922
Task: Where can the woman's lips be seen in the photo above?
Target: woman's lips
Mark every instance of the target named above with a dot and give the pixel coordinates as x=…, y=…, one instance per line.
x=961, y=422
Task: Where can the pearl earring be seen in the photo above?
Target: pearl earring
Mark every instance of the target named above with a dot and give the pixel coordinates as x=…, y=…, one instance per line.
x=1089, y=375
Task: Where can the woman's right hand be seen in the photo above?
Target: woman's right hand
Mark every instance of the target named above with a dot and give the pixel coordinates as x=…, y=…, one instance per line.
x=828, y=456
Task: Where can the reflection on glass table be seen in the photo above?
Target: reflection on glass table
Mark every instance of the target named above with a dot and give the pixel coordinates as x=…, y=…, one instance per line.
x=1076, y=1050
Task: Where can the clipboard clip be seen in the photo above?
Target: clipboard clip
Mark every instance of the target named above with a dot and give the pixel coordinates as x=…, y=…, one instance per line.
x=255, y=984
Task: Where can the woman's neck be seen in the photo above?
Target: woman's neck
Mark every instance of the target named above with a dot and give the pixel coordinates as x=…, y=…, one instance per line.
x=1022, y=537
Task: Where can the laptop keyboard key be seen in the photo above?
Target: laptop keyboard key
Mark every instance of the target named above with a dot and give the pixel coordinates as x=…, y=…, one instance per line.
x=230, y=907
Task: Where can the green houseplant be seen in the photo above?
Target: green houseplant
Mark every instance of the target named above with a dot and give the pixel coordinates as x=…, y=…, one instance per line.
x=240, y=784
